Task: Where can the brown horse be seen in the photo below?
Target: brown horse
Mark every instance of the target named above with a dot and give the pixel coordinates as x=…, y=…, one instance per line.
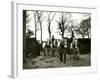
x=63, y=50
x=68, y=47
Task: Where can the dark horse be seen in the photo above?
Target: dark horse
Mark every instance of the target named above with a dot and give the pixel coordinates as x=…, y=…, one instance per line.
x=63, y=49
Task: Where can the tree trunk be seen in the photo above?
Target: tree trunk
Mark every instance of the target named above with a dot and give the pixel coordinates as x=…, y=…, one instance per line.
x=50, y=35
x=35, y=25
x=83, y=36
x=35, y=30
x=88, y=35
x=41, y=31
x=63, y=35
x=49, y=31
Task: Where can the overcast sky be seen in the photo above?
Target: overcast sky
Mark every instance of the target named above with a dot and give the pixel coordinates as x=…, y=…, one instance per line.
x=76, y=17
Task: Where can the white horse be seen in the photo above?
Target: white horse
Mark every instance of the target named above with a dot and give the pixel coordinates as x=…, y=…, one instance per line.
x=49, y=49
x=74, y=49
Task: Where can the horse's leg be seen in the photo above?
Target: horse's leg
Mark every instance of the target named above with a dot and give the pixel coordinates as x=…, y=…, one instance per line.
x=78, y=54
x=74, y=53
x=50, y=52
x=70, y=54
x=64, y=58
x=60, y=57
x=44, y=52
x=47, y=51
x=53, y=52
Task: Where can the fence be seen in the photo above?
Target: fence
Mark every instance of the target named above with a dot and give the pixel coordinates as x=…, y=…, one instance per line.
x=84, y=46
x=32, y=47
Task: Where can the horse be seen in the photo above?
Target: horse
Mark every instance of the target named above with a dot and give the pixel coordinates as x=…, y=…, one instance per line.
x=43, y=51
x=53, y=47
x=63, y=50
x=49, y=48
x=74, y=49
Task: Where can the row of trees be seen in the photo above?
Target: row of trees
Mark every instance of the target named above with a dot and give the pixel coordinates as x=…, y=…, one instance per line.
x=38, y=20
x=65, y=24
x=84, y=27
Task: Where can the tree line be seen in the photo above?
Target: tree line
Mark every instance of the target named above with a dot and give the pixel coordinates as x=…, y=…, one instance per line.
x=65, y=24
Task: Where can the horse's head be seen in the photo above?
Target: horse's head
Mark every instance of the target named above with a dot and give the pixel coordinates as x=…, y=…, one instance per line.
x=58, y=43
x=65, y=43
x=44, y=44
x=75, y=43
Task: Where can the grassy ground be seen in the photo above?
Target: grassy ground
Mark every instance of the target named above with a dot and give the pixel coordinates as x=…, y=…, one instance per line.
x=53, y=62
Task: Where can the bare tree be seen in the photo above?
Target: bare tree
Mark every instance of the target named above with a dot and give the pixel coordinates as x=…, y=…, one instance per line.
x=61, y=25
x=40, y=20
x=84, y=27
x=64, y=24
x=35, y=21
x=29, y=32
x=49, y=20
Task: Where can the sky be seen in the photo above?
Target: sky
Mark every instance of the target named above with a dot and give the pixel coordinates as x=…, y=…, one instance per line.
x=75, y=17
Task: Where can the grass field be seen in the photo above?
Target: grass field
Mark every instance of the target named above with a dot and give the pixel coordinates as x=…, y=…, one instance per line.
x=54, y=62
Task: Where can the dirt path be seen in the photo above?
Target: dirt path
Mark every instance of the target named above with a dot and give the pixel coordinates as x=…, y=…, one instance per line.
x=53, y=62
